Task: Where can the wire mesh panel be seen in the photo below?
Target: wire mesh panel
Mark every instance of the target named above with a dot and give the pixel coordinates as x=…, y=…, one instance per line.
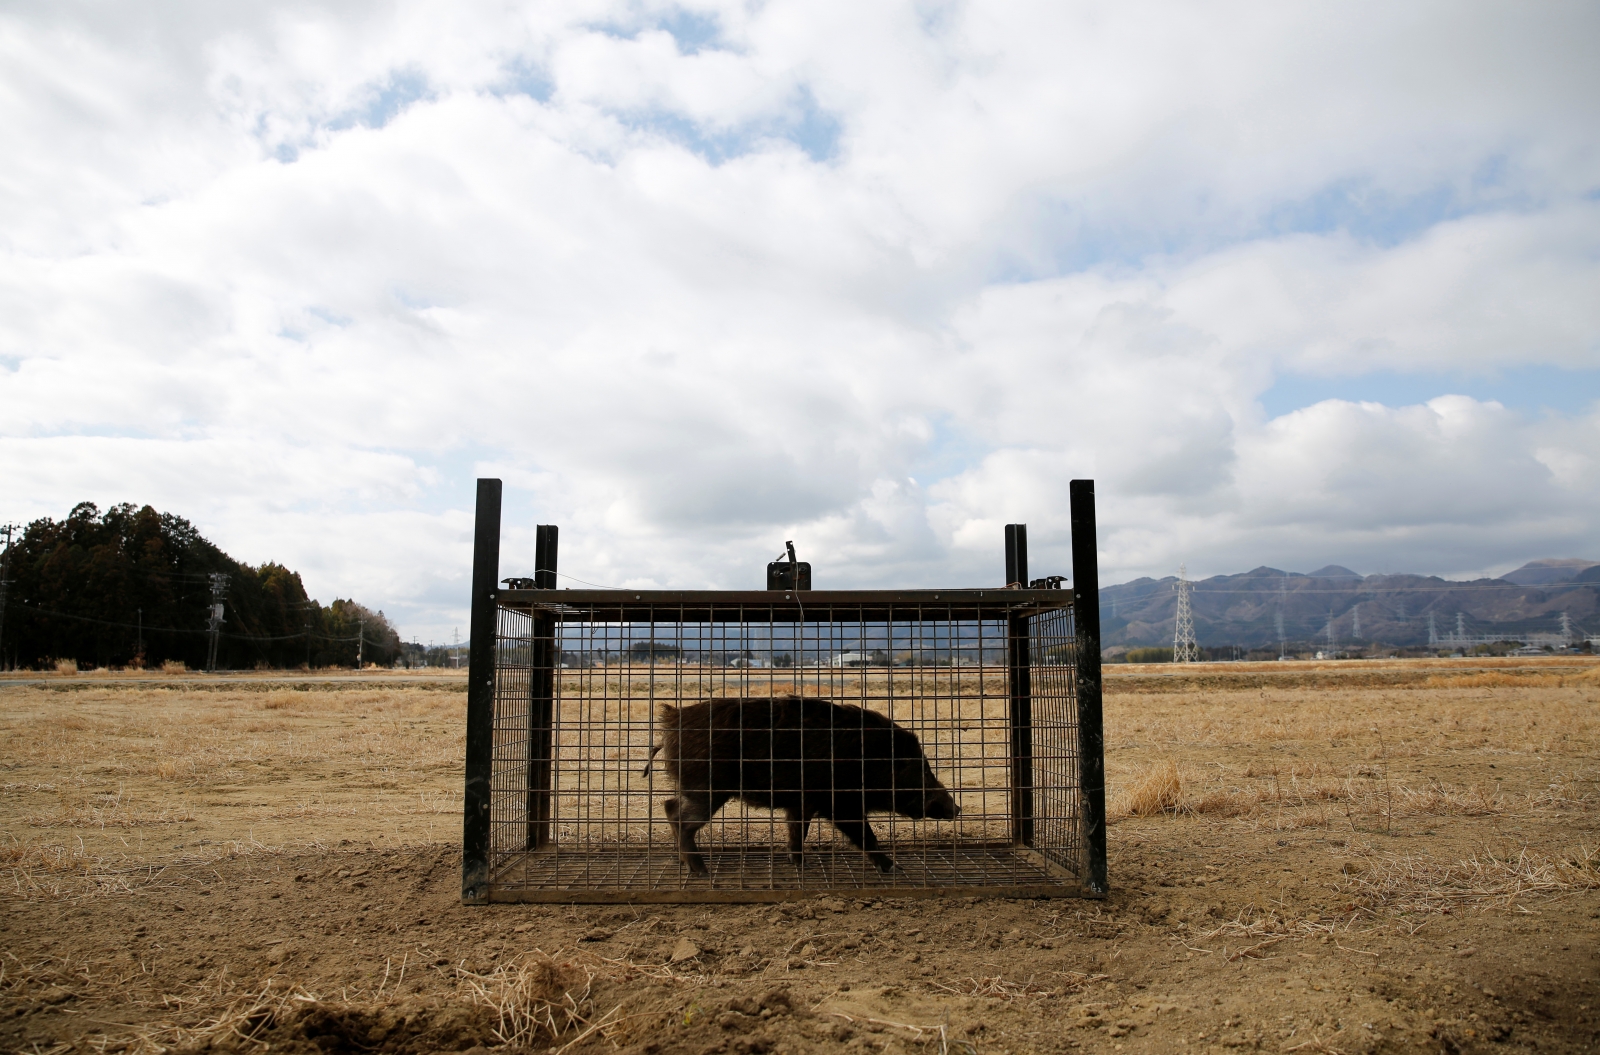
x=589, y=683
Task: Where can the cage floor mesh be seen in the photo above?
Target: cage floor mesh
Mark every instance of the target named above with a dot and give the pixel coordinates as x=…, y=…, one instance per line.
x=738, y=874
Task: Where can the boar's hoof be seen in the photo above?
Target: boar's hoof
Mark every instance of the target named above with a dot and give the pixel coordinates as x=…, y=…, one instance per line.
x=885, y=863
x=696, y=863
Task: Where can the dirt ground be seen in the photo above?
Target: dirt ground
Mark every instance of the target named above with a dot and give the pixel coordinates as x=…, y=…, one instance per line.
x=1351, y=857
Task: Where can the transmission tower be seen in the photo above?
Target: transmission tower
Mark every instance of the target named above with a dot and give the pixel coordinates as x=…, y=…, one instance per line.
x=1433, y=632
x=1566, y=625
x=5, y=585
x=1355, y=622
x=1283, y=600
x=219, y=590
x=1329, y=631
x=1184, y=647
x=1461, y=630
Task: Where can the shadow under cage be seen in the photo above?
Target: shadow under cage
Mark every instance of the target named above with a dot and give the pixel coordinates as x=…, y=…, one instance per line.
x=571, y=690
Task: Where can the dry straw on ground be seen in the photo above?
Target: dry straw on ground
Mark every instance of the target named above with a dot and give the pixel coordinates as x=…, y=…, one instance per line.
x=1157, y=791
x=1411, y=883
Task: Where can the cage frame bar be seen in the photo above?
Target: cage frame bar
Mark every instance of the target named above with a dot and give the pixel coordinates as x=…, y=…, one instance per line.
x=1091, y=730
x=484, y=635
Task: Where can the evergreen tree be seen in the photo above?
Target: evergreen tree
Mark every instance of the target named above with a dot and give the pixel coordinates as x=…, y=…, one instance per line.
x=133, y=586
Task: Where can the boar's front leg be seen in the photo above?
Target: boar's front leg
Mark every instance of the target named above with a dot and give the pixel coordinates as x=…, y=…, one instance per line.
x=687, y=814
x=858, y=831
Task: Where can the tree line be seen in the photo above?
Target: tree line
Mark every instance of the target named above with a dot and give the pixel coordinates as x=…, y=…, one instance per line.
x=133, y=587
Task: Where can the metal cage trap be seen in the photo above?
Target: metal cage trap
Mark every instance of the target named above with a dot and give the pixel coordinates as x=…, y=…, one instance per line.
x=572, y=691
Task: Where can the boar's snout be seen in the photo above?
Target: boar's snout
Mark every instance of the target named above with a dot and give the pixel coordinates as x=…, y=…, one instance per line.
x=941, y=805
x=921, y=796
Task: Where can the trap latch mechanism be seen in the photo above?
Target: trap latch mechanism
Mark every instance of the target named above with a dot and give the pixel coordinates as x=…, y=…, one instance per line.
x=516, y=583
x=1049, y=582
x=788, y=574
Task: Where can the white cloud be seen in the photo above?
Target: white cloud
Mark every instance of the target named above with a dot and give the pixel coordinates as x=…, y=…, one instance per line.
x=880, y=280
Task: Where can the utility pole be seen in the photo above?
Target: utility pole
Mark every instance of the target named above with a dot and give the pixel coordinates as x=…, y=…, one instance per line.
x=361, y=640
x=5, y=586
x=138, y=644
x=1184, y=647
x=219, y=590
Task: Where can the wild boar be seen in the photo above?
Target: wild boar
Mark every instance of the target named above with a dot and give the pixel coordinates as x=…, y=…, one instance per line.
x=806, y=757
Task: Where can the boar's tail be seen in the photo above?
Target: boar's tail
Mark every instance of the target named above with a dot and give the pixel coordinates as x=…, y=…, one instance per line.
x=669, y=722
x=651, y=758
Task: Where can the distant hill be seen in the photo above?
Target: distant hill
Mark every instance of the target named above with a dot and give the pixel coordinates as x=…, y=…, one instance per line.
x=1244, y=609
x=1543, y=572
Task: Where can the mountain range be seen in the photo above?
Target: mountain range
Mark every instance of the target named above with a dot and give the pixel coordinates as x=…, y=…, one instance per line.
x=1339, y=608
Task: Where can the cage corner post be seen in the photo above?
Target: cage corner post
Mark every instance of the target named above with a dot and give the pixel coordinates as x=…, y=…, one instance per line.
x=1091, y=725
x=480, y=695
x=545, y=658
x=1020, y=692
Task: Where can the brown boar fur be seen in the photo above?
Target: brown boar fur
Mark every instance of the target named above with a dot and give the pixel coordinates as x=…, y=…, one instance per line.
x=806, y=757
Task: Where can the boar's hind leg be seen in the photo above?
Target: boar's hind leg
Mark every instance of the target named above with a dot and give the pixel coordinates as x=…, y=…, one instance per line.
x=688, y=814
x=861, y=833
x=799, y=823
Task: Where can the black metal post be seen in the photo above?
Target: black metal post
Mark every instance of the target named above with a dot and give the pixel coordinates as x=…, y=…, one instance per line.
x=1017, y=555
x=545, y=540
x=1020, y=684
x=1091, y=732
x=545, y=659
x=480, y=695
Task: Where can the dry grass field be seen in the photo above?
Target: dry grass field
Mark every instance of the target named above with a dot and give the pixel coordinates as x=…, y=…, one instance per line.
x=1349, y=857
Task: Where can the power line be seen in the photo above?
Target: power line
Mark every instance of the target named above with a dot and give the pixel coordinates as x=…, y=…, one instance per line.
x=36, y=610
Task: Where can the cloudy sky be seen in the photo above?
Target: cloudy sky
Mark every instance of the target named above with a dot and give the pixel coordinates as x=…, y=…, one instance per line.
x=1294, y=283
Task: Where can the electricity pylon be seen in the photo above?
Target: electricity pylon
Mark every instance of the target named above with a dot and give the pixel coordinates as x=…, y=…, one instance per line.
x=1184, y=647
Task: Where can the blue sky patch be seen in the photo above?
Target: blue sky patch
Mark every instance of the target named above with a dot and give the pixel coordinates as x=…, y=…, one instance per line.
x=386, y=101
x=1532, y=389
x=692, y=30
x=950, y=453
x=523, y=76
x=1366, y=212
x=804, y=123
